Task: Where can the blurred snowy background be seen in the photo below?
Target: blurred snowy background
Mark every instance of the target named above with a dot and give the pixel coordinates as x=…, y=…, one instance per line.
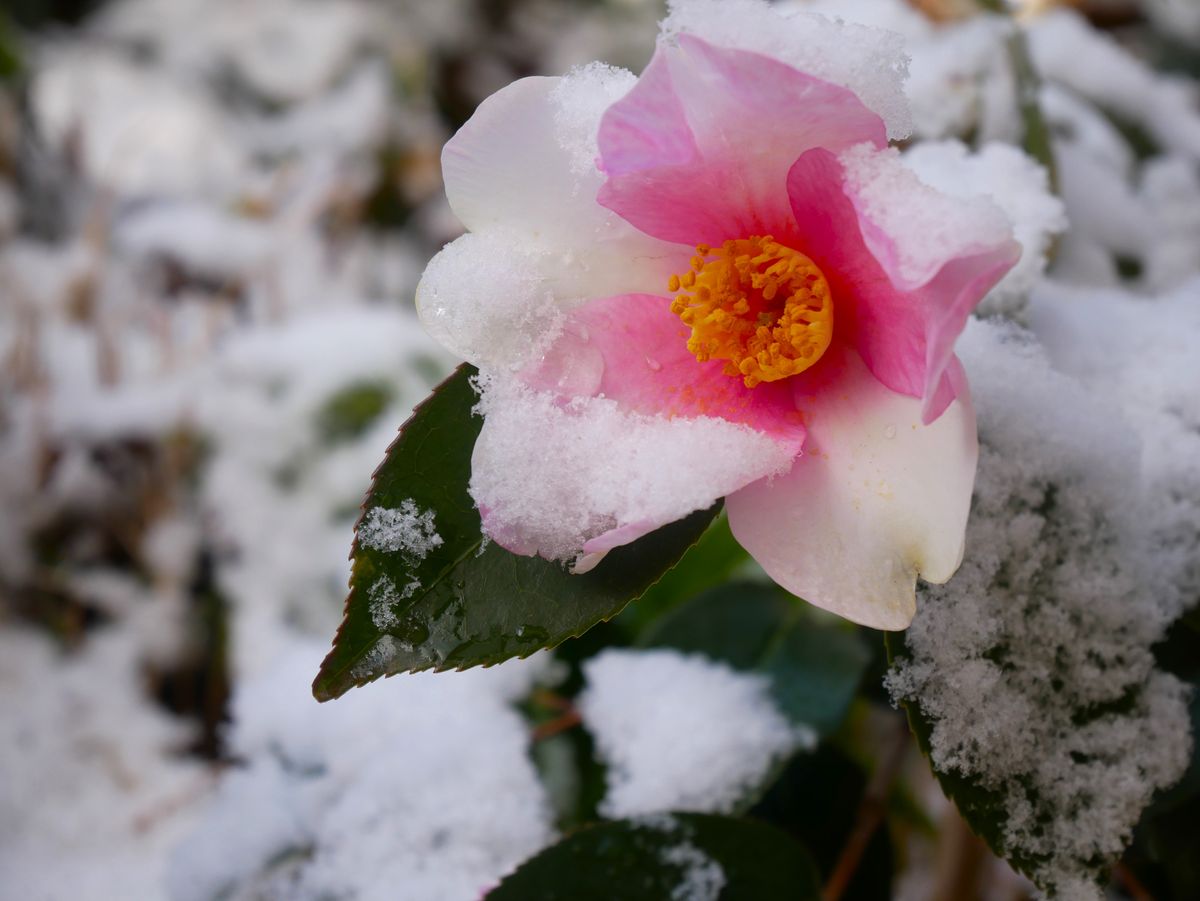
x=213, y=214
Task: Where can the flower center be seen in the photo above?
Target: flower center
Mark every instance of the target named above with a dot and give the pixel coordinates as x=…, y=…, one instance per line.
x=763, y=307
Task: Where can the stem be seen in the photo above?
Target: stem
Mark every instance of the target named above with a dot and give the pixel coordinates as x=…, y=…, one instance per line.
x=1131, y=883
x=1035, y=135
x=871, y=810
x=962, y=861
x=567, y=720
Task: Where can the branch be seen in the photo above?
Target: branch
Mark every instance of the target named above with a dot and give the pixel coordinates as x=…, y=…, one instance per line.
x=871, y=811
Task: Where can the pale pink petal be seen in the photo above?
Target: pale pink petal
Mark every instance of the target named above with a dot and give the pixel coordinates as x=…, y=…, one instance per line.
x=699, y=150
x=905, y=335
x=876, y=499
x=632, y=349
x=507, y=168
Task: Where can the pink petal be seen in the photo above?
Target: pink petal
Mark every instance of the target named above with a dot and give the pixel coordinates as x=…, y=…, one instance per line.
x=633, y=349
x=699, y=150
x=876, y=499
x=905, y=336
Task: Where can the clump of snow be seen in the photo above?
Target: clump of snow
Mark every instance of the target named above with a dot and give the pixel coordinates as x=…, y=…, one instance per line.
x=407, y=530
x=490, y=300
x=703, y=878
x=1034, y=663
x=581, y=97
x=1015, y=183
x=377, y=796
x=915, y=227
x=553, y=497
x=652, y=716
x=869, y=61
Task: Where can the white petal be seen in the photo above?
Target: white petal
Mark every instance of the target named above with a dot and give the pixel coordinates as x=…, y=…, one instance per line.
x=876, y=499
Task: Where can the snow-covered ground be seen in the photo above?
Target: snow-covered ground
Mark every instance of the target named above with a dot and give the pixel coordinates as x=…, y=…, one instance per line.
x=213, y=215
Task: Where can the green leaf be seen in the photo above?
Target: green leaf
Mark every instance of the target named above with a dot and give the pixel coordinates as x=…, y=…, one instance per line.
x=712, y=561
x=10, y=57
x=469, y=603
x=351, y=411
x=734, y=623
x=984, y=809
x=654, y=858
x=815, y=667
x=1167, y=840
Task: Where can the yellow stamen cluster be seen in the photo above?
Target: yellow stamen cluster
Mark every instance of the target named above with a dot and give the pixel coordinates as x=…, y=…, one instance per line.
x=763, y=307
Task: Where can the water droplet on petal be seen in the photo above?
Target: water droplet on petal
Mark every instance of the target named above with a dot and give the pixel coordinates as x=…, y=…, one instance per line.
x=654, y=365
x=889, y=432
x=572, y=367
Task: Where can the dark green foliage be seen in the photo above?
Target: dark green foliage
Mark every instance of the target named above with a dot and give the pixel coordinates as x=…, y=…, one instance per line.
x=647, y=860
x=351, y=411
x=816, y=799
x=1166, y=849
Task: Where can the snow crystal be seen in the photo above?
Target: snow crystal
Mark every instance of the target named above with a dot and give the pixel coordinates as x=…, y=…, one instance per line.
x=868, y=61
x=374, y=797
x=919, y=228
x=553, y=497
x=580, y=98
x=381, y=598
x=1034, y=663
x=652, y=714
x=1018, y=185
x=406, y=529
x=703, y=877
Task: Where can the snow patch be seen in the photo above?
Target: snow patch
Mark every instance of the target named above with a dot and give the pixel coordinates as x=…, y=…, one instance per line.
x=652, y=715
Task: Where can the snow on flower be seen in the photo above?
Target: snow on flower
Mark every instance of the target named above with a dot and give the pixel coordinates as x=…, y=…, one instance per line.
x=717, y=280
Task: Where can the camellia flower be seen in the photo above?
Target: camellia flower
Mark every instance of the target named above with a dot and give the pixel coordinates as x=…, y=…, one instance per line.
x=717, y=280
